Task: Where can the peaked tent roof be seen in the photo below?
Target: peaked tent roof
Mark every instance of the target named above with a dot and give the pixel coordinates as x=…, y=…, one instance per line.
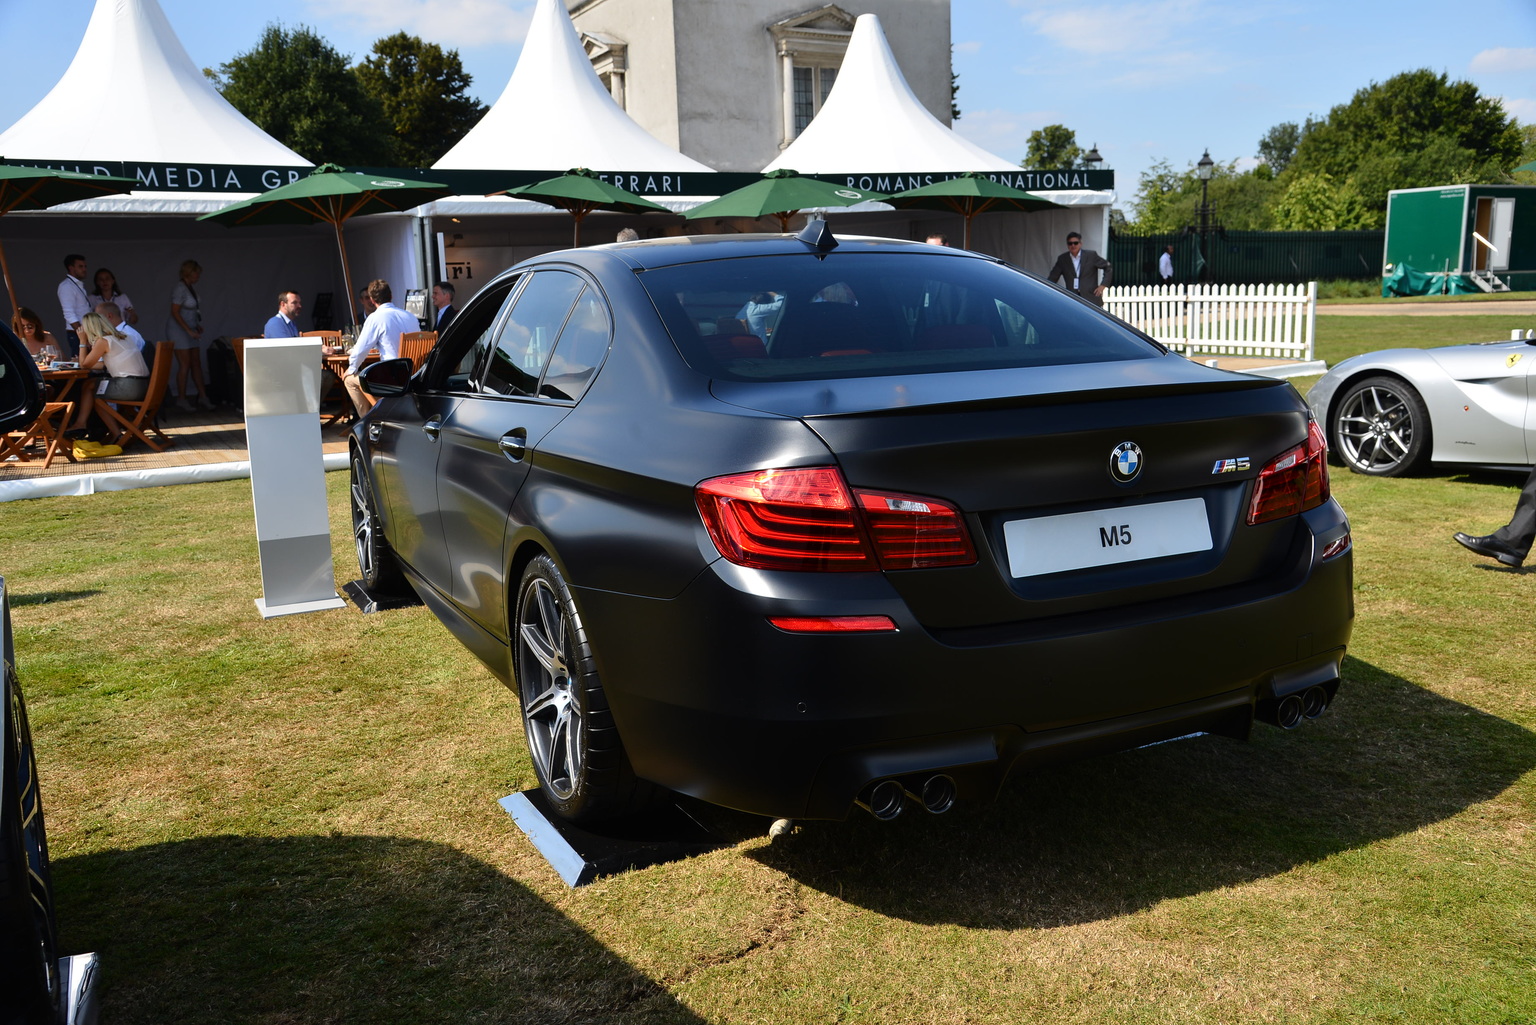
x=873, y=119
x=166, y=110
x=555, y=113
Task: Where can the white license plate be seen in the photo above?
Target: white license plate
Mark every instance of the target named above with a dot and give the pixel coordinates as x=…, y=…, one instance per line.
x=1104, y=537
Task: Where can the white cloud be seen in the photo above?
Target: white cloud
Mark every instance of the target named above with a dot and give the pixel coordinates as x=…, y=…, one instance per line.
x=973, y=46
x=1136, y=28
x=451, y=24
x=1523, y=111
x=1504, y=59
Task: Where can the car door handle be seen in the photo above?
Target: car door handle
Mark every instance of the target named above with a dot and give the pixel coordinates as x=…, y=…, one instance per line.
x=432, y=428
x=514, y=444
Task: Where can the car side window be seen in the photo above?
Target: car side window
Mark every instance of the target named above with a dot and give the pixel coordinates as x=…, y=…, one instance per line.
x=471, y=336
x=580, y=350
x=527, y=336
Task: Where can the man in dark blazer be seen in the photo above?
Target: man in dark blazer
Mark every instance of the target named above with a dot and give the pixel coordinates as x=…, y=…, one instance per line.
x=442, y=303
x=1078, y=270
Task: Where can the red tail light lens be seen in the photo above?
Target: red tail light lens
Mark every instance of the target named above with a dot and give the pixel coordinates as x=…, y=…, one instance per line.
x=1292, y=482
x=808, y=519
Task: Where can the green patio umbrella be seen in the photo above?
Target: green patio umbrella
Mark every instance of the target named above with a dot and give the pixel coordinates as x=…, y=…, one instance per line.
x=581, y=191
x=330, y=194
x=36, y=188
x=968, y=195
x=1527, y=167
x=782, y=194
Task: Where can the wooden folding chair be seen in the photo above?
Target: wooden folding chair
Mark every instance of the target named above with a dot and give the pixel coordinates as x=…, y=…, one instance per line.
x=416, y=345
x=48, y=428
x=125, y=428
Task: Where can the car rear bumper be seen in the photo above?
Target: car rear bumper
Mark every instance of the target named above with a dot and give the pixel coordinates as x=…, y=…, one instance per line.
x=739, y=713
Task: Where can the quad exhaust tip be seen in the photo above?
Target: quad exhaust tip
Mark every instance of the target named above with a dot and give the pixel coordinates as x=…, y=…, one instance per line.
x=886, y=799
x=1289, y=711
x=883, y=800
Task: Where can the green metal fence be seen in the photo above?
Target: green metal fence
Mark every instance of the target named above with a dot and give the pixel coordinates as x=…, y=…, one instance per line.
x=1249, y=257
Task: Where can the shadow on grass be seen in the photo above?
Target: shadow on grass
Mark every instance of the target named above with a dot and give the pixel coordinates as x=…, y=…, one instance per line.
x=49, y=597
x=336, y=928
x=1104, y=837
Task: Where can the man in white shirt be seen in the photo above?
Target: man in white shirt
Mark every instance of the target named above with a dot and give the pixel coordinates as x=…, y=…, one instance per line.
x=115, y=318
x=1165, y=265
x=74, y=297
x=381, y=331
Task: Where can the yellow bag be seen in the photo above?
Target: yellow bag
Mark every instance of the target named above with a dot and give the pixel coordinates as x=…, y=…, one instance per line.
x=86, y=449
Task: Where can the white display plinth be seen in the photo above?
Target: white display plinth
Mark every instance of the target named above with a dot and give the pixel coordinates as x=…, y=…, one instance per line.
x=282, y=430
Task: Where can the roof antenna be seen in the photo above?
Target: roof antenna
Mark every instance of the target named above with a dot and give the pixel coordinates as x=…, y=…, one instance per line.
x=818, y=236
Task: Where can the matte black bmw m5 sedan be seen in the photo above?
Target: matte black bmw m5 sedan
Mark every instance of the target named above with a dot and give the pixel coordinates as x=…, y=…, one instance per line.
x=792, y=523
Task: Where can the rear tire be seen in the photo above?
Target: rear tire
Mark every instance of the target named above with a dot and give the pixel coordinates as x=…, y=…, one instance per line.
x=29, y=967
x=1381, y=428
x=376, y=564
x=583, y=771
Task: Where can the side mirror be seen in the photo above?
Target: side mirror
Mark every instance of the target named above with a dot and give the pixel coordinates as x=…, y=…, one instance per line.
x=21, y=386
x=387, y=377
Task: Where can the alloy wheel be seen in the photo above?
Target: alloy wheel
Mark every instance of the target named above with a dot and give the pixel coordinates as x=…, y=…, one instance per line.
x=552, y=708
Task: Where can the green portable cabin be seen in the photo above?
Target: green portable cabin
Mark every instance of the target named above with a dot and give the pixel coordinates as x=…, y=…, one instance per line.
x=1460, y=238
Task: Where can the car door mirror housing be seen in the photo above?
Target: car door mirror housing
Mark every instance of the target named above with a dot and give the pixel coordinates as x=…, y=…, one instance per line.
x=21, y=387
x=387, y=377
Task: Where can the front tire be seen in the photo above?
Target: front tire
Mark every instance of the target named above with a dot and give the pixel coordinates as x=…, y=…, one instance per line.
x=1382, y=428
x=580, y=761
x=29, y=967
x=376, y=563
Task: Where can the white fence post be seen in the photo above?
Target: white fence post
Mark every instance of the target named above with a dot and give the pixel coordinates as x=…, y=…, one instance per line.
x=1272, y=321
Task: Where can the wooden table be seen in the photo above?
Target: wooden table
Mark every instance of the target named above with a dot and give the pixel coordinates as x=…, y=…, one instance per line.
x=50, y=425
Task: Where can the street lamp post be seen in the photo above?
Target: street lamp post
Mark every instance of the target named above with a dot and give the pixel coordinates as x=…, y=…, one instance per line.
x=1203, y=169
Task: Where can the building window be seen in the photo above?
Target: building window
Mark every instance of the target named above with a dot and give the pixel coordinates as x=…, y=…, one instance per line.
x=810, y=48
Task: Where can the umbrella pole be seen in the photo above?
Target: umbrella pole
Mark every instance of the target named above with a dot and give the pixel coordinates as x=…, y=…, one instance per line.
x=10, y=289
x=346, y=273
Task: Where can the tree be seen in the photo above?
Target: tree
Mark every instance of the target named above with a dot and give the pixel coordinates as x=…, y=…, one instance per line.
x=1168, y=200
x=300, y=91
x=1053, y=148
x=1415, y=129
x=1279, y=145
x=422, y=91
x=1313, y=201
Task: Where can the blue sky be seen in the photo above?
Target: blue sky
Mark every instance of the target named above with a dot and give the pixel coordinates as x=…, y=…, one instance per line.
x=1145, y=80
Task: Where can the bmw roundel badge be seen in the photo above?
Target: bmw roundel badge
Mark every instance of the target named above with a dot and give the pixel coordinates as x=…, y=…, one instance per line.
x=1125, y=462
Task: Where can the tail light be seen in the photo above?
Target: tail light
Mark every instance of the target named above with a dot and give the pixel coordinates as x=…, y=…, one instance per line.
x=809, y=519
x=1292, y=482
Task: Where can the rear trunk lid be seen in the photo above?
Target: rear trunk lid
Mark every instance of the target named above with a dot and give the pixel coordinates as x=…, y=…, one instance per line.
x=1031, y=457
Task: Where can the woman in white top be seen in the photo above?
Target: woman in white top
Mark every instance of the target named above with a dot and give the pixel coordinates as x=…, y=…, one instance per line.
x=107, y=292
x=184, y=327
x=129, y=374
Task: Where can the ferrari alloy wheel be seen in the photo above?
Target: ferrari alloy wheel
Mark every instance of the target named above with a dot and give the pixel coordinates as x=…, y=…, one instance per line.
x=574, y=745
x=375, y=562
x=1381, y=428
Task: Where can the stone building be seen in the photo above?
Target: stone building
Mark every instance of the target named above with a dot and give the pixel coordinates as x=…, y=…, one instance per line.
x=730, y=83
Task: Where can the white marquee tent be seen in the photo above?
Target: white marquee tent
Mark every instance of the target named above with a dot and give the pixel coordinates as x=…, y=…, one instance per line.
x=169, y=117
x=555, y=114
x=873, y=119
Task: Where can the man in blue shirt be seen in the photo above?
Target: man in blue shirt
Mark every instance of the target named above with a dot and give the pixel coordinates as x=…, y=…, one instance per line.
x=284, y=324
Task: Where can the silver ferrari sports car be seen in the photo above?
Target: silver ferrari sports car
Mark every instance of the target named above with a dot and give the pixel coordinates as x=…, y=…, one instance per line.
x=1391, y=412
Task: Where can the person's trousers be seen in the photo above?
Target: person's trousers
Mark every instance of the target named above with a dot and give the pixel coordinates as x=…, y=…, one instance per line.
x=1521, y=529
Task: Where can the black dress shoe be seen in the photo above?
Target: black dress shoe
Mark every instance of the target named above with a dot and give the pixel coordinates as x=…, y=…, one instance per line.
x=1492, y=547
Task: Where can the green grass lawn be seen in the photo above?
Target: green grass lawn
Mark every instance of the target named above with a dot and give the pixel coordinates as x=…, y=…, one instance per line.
x=295, y=820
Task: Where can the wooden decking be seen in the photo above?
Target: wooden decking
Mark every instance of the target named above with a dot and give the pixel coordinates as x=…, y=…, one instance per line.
x=203, y=436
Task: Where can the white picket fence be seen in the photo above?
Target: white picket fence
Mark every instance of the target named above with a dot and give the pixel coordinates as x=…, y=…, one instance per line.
x=1223, y=320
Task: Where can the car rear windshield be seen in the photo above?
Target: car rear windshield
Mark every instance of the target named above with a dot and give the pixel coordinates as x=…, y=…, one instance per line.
x=853, y=314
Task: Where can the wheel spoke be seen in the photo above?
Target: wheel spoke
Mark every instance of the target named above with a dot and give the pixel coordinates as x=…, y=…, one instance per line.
x=542, y=702
x=538, y=645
